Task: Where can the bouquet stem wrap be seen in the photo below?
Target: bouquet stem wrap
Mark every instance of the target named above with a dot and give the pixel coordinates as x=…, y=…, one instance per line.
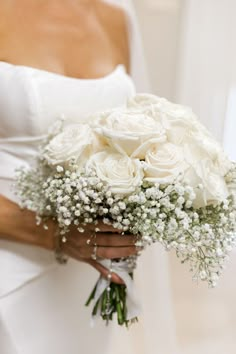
x=123, y=270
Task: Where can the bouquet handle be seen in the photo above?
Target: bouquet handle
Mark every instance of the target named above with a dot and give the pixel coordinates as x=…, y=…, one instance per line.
x=121, y=268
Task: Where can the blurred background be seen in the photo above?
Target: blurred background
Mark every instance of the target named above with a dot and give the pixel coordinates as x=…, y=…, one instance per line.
x=190, y=47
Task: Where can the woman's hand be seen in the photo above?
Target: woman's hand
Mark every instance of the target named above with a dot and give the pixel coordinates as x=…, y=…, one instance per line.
x=20, y=226
x=109, y=244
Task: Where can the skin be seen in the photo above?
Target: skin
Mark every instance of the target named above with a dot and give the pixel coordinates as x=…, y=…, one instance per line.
x=79, y=39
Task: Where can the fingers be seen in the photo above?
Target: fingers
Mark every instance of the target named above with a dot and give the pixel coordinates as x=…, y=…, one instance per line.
x=114, y=240
x=102, y=227
x=104, y=239
x=73, y=253
x=101, y=252
x=108, y=252
x=108, y=228
x=104, y=272
x=116, y=252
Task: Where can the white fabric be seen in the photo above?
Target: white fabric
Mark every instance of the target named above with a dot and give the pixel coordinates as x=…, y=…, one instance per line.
x=30, y=100
x=206, y=82
x=42, y=303
x=122, y=269
x=34, y=289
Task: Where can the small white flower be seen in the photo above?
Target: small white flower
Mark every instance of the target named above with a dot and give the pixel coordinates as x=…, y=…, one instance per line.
x=122, y=205
x=219, y=252
x=67, y=222
x=180, y=200
x=203, y=275
x=63, y=209
x=80, y=229
x=60, y=169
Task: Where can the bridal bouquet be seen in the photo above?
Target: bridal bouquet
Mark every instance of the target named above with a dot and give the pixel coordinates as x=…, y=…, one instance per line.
x=150, y=169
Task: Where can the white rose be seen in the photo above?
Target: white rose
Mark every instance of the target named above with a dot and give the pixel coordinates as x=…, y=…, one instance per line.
x=178, y=120
x=121, y=173
x=161, y=105
x=129, y=131
x=203, y=144
x=75, y=141
x=182, y=122
x=163, y=163
x=180, y=129
x=203, y=157
x=202, y=153
x=144, y=100
x=213, y=188
x=150, y=105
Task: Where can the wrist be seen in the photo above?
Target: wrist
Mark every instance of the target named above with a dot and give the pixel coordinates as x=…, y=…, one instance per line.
x=20, y=226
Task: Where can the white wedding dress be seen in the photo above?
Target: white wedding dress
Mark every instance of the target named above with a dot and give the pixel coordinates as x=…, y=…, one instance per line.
x=41, y=302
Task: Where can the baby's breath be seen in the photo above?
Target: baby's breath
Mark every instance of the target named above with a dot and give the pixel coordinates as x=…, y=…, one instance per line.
x=200, y=237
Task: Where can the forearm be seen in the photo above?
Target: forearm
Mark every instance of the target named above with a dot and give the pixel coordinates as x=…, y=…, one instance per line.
x=20, y=226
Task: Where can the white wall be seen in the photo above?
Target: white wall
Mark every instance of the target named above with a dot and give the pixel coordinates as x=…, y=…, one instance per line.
x=160, y=20
x=207, y=59
x=191, y=52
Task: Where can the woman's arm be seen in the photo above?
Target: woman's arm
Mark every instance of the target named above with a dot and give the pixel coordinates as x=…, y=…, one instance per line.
x=20, y=226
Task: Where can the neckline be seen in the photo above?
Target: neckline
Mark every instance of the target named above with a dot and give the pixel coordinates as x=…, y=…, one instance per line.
x=27, y=67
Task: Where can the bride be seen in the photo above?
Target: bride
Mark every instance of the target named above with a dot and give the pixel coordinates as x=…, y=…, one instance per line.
x=70, y=57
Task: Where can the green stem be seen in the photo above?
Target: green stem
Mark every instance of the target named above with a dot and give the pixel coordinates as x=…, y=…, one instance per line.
x=119, y=307
x=109, y=304
x=91, y=297
x=95, y=309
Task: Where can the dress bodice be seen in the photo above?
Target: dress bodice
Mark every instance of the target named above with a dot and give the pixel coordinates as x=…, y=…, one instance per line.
x=30, y=101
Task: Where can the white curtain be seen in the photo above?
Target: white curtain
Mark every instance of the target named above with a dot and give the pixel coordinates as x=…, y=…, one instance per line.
x=206, y=319
x=207, y=59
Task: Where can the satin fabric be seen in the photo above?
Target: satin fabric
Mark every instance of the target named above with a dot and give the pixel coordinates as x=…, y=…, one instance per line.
x=31, y=100
x=42, y=303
